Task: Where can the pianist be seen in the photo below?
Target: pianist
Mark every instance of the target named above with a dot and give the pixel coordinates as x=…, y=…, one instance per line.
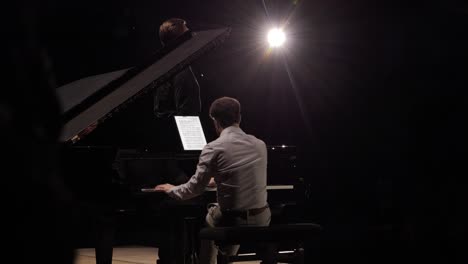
x=181, y=95
x=237, y=162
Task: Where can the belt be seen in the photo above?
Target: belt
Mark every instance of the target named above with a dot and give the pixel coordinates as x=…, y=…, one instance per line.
x=243, y=214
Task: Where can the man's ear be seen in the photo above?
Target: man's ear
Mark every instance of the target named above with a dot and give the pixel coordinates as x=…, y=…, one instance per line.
x=218, y=127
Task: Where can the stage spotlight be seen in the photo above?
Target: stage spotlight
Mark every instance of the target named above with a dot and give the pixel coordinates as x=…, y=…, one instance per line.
x=276, y=37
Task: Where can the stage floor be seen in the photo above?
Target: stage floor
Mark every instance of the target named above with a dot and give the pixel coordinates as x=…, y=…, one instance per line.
x=126, y=255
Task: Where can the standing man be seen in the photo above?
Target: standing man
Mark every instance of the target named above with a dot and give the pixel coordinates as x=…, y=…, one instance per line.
x=237, y=164
x=181, y=94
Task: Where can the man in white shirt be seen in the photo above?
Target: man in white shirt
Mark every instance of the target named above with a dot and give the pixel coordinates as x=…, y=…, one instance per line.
x=236, y=163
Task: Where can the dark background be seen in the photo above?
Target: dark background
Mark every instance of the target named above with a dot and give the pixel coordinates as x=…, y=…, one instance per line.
x=370, y=92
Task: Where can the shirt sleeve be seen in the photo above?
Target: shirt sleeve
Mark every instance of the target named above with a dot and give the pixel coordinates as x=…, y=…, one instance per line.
x=197, y=183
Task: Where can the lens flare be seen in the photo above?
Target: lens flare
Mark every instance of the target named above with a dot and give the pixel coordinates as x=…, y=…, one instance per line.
x=276, y=37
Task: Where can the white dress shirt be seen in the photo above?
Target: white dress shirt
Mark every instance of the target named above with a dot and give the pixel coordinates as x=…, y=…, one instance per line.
x=238, y=163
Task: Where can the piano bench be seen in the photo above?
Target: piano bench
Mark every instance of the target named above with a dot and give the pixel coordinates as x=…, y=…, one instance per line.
x=267, y=236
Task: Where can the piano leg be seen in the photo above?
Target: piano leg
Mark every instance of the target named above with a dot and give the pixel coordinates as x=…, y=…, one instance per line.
x=172, y=248
x=190, y=236
x=180, y=241
x=105, y=240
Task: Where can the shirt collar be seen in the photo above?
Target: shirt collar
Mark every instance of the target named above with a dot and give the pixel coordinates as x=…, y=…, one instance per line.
x=231, y=129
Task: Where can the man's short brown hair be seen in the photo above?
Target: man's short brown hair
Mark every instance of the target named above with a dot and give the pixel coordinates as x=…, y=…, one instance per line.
x=226, y=111
x=171, y=29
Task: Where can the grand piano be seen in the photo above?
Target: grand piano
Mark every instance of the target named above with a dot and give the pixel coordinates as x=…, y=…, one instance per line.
x=112, y=147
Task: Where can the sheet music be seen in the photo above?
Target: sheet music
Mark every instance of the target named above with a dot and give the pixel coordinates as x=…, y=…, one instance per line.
x=191, y=132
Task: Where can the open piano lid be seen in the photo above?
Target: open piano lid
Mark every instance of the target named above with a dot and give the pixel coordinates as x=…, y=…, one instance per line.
x=89, y=101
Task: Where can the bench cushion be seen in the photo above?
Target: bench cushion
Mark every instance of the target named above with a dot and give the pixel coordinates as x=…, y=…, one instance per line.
x=274, y=233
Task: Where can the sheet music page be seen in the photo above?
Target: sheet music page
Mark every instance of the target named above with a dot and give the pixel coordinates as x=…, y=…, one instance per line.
x=191, y=132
